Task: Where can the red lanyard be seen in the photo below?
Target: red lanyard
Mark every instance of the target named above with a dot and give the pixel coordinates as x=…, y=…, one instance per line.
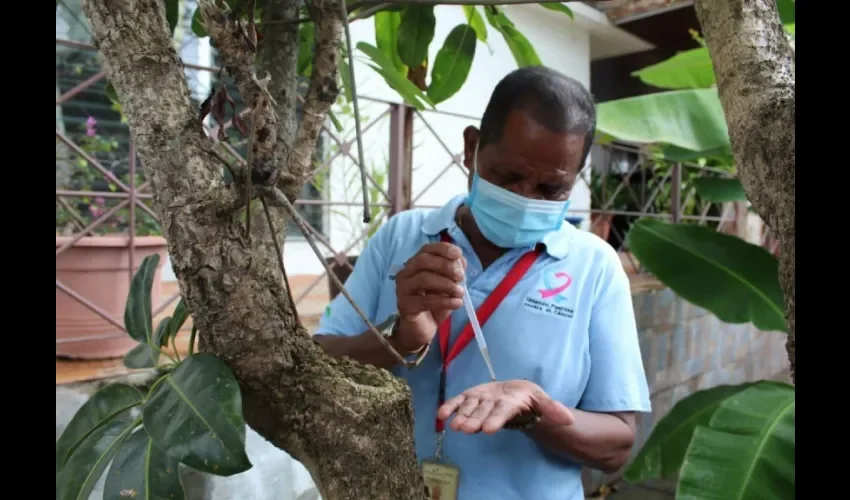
x=484, y=312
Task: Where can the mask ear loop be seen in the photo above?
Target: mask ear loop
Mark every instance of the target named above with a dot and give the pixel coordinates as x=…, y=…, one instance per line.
x=473, y=189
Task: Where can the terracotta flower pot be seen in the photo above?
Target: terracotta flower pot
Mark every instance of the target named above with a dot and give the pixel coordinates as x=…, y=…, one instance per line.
x=98, y=269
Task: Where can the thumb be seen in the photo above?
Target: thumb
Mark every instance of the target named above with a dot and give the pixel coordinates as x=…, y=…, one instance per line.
x=554, y=411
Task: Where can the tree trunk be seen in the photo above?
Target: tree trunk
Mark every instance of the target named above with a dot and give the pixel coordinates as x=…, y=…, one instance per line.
x=754, y=65
x=350, y=425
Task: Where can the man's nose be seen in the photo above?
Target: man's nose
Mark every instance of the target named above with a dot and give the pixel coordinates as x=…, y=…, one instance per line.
x=527, y=188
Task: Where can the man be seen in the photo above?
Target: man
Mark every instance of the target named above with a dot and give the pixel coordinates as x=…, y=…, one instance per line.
x=554, y=303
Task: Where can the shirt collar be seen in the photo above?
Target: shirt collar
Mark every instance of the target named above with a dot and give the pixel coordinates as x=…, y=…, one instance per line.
x=443, y=218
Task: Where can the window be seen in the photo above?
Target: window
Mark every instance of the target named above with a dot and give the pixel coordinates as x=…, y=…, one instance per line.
x=75, y=65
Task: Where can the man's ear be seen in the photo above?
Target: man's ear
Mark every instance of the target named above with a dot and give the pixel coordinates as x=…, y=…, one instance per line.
x=470, y=142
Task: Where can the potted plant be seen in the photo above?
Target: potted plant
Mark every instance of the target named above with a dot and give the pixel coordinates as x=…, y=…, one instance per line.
x=97, y=266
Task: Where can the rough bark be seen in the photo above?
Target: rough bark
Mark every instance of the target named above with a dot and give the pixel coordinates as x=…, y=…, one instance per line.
x=754, y=65
x=349, y=424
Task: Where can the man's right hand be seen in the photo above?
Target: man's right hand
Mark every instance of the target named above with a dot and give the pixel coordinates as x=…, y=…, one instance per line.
x=427, y=291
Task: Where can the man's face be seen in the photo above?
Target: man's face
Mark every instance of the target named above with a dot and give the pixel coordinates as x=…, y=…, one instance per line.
x=529, y=160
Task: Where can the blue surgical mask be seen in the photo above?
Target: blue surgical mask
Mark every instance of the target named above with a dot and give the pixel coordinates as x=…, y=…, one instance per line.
x=509, y=220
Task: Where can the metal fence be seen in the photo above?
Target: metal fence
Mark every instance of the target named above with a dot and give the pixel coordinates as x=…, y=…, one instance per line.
x=100, y=187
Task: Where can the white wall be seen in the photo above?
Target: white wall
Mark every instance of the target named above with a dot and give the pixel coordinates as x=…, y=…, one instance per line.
x=561, y=43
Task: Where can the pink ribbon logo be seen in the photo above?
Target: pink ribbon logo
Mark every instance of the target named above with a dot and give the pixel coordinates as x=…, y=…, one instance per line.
x=552, y=287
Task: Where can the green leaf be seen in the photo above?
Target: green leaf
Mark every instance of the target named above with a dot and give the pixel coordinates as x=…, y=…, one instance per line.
x=138, y=314
x=143, y=472
x=415, y=32
x=172, y=13
x=690, y=119
x=176, y=323
x=345, y=76
x=162, y=332
x=476, y=21
x=736, y=281
x=722, y=154
x=142, y=356
x=662, y=454
x=522, y=50
x=111, y=94
x=335, y=121
x=717, y=190
x=195, y=416
x=689, y=69
x=746, y=450
x=406, y=89
x=103, y=406
x=305, y=49
x=386, y=38
x=198, y=24
x=787, y=11
x=80, y=474
x=452, y=64
x=559, y=7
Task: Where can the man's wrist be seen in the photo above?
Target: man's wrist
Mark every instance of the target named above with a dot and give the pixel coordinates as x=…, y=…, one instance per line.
x=399, y=346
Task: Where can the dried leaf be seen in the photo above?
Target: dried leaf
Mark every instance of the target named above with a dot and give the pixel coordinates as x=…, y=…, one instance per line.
x=239, y=123
x=206, y=106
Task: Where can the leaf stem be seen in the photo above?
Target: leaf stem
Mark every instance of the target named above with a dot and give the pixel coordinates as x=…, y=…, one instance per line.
x=155, y=385
x=192, y=338
x=174, y=346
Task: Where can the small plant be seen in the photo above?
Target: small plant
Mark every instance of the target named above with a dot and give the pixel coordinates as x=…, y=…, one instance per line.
x=191, y=415
x=83, y=211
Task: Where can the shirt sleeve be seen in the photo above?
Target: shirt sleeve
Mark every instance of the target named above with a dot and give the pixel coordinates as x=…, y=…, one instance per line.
x=364, y=286
x=617, y=381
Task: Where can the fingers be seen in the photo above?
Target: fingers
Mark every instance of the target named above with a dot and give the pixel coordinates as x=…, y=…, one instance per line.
x=498, y=417
x=469, y=420
x=436, y=263
x=428, y=282
x=450, y=406
x=475, y=414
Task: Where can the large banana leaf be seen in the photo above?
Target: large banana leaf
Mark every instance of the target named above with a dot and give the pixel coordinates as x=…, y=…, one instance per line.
x=690, y=69
x=663, y=453
x=719, y=190
x=736, y=281
x=691, y=119
x=747, y=449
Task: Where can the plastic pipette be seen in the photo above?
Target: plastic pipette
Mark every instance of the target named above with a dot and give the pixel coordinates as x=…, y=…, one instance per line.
x=476, y=327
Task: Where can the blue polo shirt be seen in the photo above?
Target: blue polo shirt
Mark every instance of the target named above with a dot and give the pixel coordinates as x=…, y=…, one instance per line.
x=568, y=326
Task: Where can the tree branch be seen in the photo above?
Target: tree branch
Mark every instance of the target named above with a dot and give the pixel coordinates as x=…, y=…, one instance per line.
x=755, y=70
x=237, y=55
x=280, y=199
x=277, y=57
x=322, y=93
x=337, y=417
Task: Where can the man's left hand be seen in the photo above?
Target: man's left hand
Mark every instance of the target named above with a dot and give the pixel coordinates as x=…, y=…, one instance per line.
x=488, y=407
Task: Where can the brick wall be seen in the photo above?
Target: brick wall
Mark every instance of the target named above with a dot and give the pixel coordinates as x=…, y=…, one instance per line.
x=686, y=349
